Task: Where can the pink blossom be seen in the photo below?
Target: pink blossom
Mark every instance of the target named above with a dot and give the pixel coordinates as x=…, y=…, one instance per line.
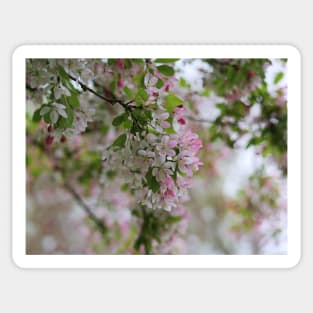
x=179, y=111
x=165, y=124
x=169, y=182
x=120, y=63
x=167, y=87
x=182, y=121
x=120, y=83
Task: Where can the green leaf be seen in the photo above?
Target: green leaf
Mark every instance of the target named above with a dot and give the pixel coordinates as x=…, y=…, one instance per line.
x=222, y=106
x=120, y=141
x=104, y=129
x=36, y=117
x=62, y=72
x=70, y=117
x=143, y=94
x=111, y=61
x=140, y=115
x=124, y=187
x=111, y=174
x=128, y=124
x=46, y=118
x=159, y=83
x=153, y=184
x=119, y=119
x=128, y=92
x=254, y=141
x=172, y=101
x=166, y=60
x=278, y=77
x=170, y=130
x=148, y=114
x=138, y=61
x=205, y=92
x=166, y=70
x=141, y=80
x=127, y=63
x=113, y=83
x=172, y=219
x=183, y=83
x=73, y=100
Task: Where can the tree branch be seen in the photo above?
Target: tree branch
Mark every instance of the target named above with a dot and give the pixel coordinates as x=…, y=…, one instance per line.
x=125, y=105
x=199, y=120
x=98, y=222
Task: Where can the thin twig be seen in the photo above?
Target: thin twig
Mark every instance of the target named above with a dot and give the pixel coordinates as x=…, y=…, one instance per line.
x=199, y=120
x=98, y=222
x=125, y=105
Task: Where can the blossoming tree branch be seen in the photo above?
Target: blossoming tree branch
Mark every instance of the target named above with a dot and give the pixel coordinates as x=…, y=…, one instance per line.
x=125, y=138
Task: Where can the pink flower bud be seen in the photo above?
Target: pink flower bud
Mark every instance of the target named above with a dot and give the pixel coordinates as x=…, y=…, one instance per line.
x=164, y=116
x=49, y=140
x=182, y=121
x=165, y=124
x=120, y=63
x=120, y=83
x=250, y=74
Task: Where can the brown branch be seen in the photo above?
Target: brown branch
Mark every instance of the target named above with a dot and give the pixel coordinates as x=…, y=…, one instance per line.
x=125, y=105
x=199, y=120
x=96, y=220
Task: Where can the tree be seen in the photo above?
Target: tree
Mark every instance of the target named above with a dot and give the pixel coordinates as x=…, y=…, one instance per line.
x=126, y=138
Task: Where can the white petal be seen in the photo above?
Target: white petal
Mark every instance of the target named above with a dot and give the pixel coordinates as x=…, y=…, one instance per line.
x=59, y=106
x=45, y=110
x=150, y=154
x=54, y=116
x=66, y=91
x=142, y=153
x=57, y=92
x=164, y=116
x=62, y=113
x=169, y=165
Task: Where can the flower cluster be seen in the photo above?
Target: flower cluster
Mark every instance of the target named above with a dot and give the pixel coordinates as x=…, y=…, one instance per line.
x=159, y=166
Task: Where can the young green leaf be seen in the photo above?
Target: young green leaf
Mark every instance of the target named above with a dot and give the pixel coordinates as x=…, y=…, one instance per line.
x=128, y=92
x=143, y=94
x=153, y=184
x=127, y=124
x=166, y=70
x=159, y=83
x=166, y=60
x=73, y=100
x=119, y=119
x=62, y=72
x=278, y=77
x=171, y=102
x=120, y=141
x=37, y=116
x=172, y=219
